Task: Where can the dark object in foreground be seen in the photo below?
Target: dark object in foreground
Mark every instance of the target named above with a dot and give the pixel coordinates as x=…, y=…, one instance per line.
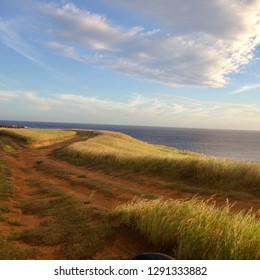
x=152, y=256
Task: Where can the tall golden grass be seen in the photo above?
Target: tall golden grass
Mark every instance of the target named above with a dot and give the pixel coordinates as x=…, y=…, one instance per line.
x=194, y=229
x=38, y=137
x=118, y=152
x=123, y=146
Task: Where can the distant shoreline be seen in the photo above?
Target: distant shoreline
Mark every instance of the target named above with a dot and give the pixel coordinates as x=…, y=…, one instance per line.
x=11, y=126
x=234, y=144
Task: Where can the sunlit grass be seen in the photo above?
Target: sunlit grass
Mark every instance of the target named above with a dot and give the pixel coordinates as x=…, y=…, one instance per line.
x=194, y=229
x=124, y=146
x=116, y=152
x=38, y=136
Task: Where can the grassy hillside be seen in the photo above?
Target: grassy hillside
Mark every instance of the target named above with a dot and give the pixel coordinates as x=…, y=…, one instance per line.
x=119, y=153
x=124, y=147
x=194, y=229
x=38, y=137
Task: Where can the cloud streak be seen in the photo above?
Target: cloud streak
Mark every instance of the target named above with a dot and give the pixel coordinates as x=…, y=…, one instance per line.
x=11, y=37
x=160, y=107
x=246, y=88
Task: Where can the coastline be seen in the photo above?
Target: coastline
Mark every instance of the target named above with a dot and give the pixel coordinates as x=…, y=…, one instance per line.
x=237, y=145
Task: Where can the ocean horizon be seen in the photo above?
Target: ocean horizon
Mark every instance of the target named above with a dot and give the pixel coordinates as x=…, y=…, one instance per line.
x=235, y=144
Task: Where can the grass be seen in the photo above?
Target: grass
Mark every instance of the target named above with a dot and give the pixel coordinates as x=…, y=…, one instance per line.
x=124, y=146
x=14, y=223
x=62, y=173
x=4, y=208
x=194, y=229
x=70, y=229
x=119, y=153
x=38, y=137
x=43, y=188
x=7, y=252
x=67, y=224
x=7, y=146
x=101, y=186
x=6, y=189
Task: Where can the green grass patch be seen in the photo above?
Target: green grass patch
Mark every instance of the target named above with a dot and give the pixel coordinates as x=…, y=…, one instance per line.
x=72, y=231
x=194, y=229
x=14, y=223
x=6, y=189
x=7, y=146
x=69, y=225
x=70, y=228
x=7, y=252
x=61, y=173
x=44, y=189
x=2, y=218
x=44, y=207
x=4, y=208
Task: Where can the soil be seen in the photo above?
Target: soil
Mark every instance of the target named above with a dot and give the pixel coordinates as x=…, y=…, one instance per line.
x=125, y=245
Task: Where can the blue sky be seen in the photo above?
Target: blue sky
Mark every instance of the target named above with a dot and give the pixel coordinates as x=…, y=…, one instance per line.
x=136, y=62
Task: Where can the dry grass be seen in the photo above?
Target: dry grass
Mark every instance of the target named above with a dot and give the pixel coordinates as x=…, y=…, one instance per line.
x=194, y=229
x=116, y=152
x=124, y=147
x=39, y=137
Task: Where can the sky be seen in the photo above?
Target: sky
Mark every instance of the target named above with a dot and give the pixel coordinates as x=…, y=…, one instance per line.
x=189, y=63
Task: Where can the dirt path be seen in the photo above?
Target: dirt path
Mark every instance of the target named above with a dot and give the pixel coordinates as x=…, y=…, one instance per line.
x=91, y=188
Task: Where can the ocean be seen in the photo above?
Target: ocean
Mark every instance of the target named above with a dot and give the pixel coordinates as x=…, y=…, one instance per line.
x=234, y=144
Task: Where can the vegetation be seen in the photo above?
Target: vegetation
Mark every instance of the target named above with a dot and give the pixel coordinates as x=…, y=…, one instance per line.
x=119, y=153
x=70, y=226
x=194, y=229
x=7, y=252
x=38, y=137
x=124, y=147
x=79, y=179
x=60, y=172
x=7, y=146
x=82, y=228
x=6, y=189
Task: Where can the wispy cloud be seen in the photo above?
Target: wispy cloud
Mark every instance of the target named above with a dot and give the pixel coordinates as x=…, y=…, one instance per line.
x=10, y=36
x=159, y=109
x=7, y=96
x=246, y=88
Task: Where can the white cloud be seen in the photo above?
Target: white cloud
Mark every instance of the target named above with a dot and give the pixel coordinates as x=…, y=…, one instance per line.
x=139, y=109
x=221, y=18
x=88, y=29
x=7, y=96
x=10, y=36
x=207, y=40
x=246, y=88
x=65, y=50
x=41, y=103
